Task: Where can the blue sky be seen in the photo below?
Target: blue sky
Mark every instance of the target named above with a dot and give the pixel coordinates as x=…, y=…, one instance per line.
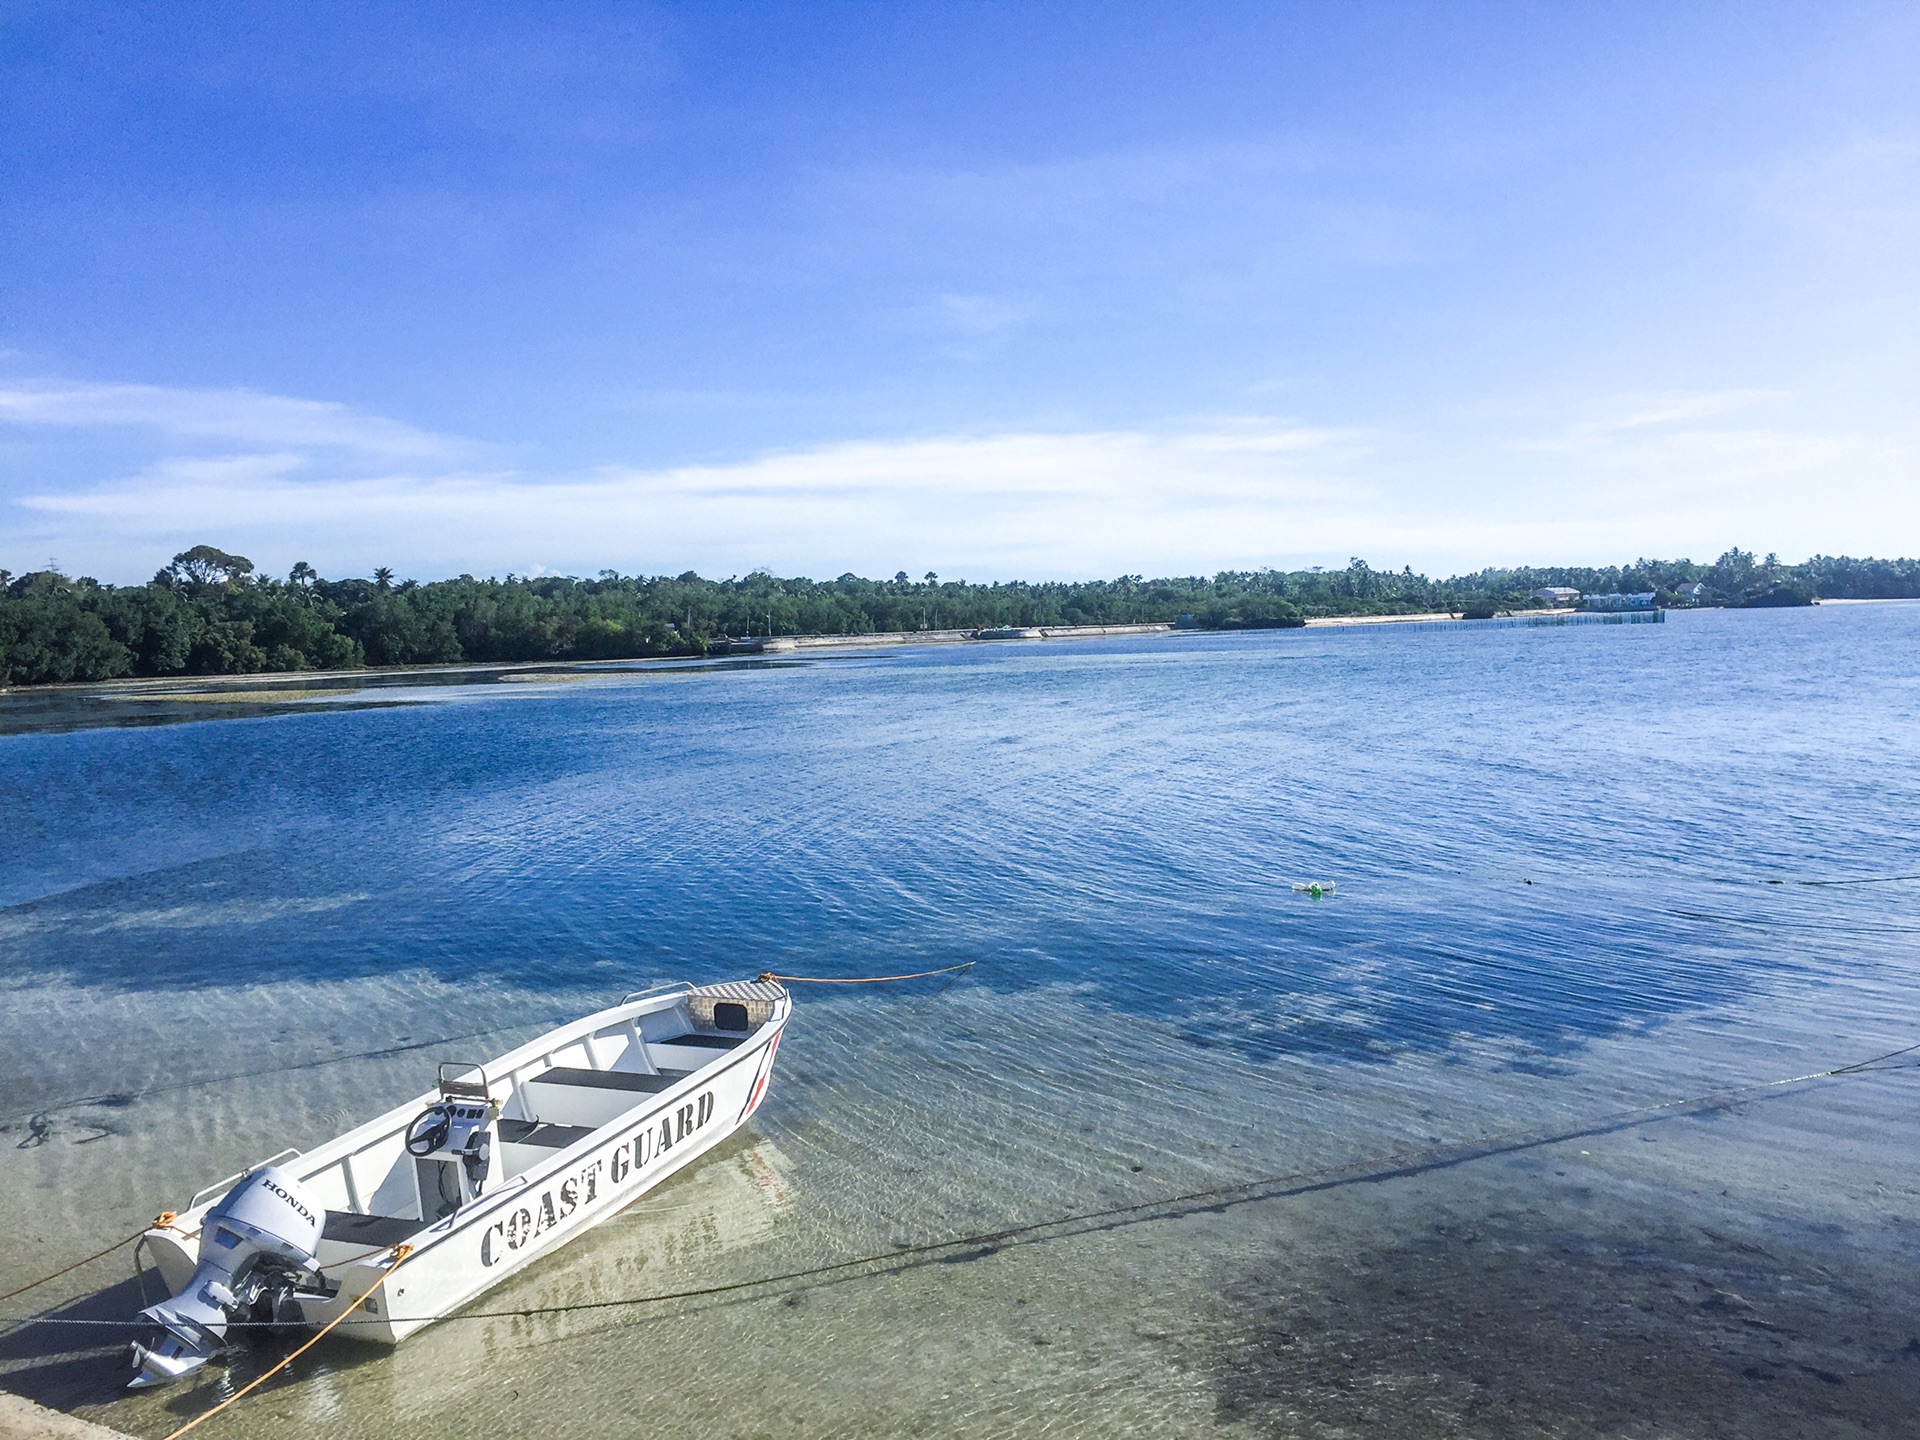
x=995, y=290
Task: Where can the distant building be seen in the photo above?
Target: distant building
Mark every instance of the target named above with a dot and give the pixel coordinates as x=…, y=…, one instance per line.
x=1693, y=594
x=1557, y=594
x=1642, y=601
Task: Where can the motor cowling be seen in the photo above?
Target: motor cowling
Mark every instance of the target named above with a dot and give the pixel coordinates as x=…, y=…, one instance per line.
x=256, y=1246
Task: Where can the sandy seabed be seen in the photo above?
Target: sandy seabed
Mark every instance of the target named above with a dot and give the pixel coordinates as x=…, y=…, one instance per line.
x=1735, y=1271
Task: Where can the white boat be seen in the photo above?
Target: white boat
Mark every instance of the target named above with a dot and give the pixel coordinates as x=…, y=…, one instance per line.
x=500, y=1164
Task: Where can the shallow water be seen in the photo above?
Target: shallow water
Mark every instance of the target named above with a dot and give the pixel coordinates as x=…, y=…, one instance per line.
x=1579, y=870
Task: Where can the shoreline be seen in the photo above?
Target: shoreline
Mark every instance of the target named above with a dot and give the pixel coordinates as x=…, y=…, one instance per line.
x=262, y=687
x=279, y=686
x=316, y=686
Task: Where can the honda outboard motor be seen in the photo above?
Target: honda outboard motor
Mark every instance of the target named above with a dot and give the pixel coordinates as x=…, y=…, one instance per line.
x=256, y=1248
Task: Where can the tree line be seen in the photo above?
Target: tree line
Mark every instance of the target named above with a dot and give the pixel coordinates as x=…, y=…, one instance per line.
x=210, y=613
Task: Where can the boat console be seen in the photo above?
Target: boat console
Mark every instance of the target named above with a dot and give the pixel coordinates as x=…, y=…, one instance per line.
x=452, y=1142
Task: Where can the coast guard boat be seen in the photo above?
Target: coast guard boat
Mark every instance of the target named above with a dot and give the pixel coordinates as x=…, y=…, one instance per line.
x=500, y=1164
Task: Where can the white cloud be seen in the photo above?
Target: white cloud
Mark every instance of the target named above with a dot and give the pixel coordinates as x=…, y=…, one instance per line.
x=1702, y=444
x=1690, y=473
x=244, y=417
x=977, y=314
x=1670, y=472
x=1641, y=412
x=1857, y=197
x=1201, y=220
x=1081, y=503
x=969, y=326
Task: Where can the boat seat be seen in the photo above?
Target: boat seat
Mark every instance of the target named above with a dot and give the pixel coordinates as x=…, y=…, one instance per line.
x=539, y=1132
x=353, y=1229
x=705, y=1042
x=609, y=1079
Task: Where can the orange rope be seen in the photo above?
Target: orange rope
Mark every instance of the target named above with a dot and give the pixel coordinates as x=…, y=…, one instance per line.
x=352, y=1259
x=863, y=979
x=164, y=1218
x=400, y=1253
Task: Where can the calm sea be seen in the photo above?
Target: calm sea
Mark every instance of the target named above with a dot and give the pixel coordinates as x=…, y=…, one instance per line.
x=1577, y=871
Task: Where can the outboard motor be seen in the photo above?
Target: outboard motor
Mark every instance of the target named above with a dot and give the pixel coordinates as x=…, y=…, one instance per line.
x=256, y=1248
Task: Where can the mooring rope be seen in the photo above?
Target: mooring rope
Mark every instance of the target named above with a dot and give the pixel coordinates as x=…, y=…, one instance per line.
x=400, y=1253
x=1393, y=1161
x=122, y=1097
x=1861, y=880
x=160, y=1221
x=860, y=979
x=1387, y=1164
x=387, y=1051
x=167, y=1216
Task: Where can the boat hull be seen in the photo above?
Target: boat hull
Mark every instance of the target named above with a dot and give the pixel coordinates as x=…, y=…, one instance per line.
x=536, y=1214
x=518, y=1221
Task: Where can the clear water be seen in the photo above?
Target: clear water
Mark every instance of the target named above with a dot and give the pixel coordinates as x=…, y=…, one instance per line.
x=1578, y=870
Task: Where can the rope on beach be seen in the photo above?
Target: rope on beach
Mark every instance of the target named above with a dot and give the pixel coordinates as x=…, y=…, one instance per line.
x=1381, y=1166
x=400, y=1253
x=1863, y=880
x=1377, y=1167
x=160, y=1221
x=860, y=979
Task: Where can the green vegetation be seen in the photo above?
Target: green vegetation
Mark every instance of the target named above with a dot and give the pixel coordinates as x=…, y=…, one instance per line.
x=209, y=613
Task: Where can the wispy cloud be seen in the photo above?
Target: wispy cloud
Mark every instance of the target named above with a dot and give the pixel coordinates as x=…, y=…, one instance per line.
x=1200, y=220
x=244, y=417
x=1670, y=408
x=1079, y=503
x=967, y=326
x=1690, y=473
x=1685, y=471
x=1855, y=197
x=977, y=315
x=1694, y=442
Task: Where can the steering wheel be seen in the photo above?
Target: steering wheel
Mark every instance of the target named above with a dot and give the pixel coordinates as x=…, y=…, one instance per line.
x=429, y=1131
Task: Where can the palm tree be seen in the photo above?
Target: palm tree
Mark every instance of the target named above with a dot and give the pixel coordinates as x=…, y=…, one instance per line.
x=383, y=578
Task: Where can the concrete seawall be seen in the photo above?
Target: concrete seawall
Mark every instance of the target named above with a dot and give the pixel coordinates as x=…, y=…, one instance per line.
x=1435, y=617
x=782, y=644
x=21, y=1419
